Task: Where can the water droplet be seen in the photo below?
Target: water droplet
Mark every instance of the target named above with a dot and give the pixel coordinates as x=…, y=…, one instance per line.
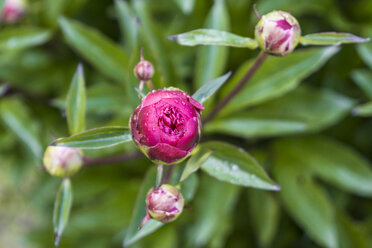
x=235, y=167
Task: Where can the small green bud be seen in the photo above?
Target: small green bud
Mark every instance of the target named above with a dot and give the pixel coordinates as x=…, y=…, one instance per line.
x=165, y=203
x=62, y=161
x=278, y=33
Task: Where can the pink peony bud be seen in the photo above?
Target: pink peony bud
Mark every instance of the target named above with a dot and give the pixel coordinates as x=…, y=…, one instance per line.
x=62, y=161
x=166, y=125
x=13, y=10
x=144, y=70
x=278, y=33
x=165, y=203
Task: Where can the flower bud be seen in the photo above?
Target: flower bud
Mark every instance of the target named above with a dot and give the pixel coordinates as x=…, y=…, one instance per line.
x=13, y=10
x=278, y=33
x=165, y=203
x=144, y=70
x=166, y=125
x=62, y=161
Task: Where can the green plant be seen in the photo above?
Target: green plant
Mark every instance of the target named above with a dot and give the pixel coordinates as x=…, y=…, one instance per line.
x=298, y=133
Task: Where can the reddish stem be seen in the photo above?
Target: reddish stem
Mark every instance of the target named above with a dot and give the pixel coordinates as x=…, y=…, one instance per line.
x=256, y=65
x=111, y=159
x=256, y=12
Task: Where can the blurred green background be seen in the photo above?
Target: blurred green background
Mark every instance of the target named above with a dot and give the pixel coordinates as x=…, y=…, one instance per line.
x=312, y=133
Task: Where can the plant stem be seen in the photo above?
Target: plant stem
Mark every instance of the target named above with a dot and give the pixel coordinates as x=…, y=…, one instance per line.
x=256, y=65
x=159, y=175
x=168, y=173
x=111, y=159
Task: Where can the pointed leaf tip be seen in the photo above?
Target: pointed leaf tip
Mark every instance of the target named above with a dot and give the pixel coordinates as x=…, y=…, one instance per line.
x=331, y=38
x=57, y=239
x=173, y=38
x=209, y=88
x=76, y=102
x=80, y=68
x=277, y=188
x=62, y=208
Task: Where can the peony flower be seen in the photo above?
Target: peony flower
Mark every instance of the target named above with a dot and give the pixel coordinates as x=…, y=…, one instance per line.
x=166, y=125
x=62, y=161
x=278, y=33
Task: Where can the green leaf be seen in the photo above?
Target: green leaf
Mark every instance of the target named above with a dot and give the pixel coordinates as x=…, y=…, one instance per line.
x=277, y=76
x=52, y=10
x=363, y=78
x=209, y=88
x=213, y=37
x=101, y=52
x=334, y=162
x=75, y=103
x=302, y=110
x=129, y=27
x=186, y=6
x=304, y=199
x=365, y=52
x=264, y=214
x=128, y=24
x=96, y=138
x=351, y=233
x=211, y=60
x=102, y=99
x=153, y=38
x=330, y=38
x=194, y=163
x=14, y=38
x=189, y=187
x=213, y=209
x=363, y=110
x=18, y=118
x=303, y=7
x=1, y=5
x=62, y=207
x=233, y=165
x=139, y=212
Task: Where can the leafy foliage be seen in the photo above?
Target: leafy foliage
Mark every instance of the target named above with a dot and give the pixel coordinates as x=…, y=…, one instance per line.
x=96, y=138
x=301, y=124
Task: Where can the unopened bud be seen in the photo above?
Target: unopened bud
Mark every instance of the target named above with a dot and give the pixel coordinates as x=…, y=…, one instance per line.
x=62, y=161
x=165, y=203
x=13, y=10
x=278, y=33
x=144, y=70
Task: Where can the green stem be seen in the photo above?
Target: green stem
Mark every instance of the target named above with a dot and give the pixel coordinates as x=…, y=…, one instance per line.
x=168, y=173
x=159, y=175
x=256, y=65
